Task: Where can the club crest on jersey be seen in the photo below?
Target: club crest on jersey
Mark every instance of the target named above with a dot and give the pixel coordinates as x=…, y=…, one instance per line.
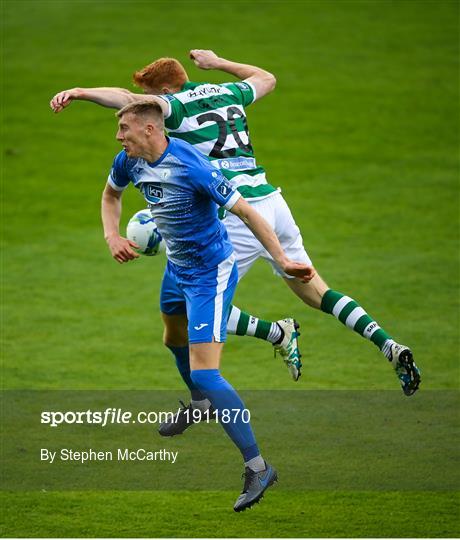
x=153, y=192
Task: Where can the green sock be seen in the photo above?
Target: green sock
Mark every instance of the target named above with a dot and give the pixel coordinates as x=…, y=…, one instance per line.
x=243, y=324
x=350, y=313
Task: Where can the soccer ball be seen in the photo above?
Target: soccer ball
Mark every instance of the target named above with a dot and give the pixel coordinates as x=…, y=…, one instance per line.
x=143, y=230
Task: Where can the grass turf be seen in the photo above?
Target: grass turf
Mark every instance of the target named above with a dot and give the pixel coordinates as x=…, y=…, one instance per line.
x=201, y=515
x=361, y=133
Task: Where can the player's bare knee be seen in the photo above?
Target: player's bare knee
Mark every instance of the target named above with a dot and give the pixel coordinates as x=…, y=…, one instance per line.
x=205, y=355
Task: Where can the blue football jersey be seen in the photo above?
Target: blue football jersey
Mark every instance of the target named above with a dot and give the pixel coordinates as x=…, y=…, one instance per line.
x=183, y=191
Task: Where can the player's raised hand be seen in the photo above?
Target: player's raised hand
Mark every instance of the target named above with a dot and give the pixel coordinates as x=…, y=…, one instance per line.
x=204, y=59
x=63, y=99
x=300, y=270
x=121, y=249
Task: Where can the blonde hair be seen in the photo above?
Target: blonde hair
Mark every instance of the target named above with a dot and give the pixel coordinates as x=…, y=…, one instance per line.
x=145, y=109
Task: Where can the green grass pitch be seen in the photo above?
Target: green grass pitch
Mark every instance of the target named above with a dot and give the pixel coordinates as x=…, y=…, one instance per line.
x=362, y=135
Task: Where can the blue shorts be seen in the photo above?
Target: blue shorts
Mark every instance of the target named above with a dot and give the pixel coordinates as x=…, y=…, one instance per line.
x=204, y=295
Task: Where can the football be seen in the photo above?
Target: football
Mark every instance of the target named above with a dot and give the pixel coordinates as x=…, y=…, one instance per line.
x=143, y=230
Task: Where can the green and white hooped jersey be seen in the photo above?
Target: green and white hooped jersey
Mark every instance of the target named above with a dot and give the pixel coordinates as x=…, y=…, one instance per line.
x=212, y=118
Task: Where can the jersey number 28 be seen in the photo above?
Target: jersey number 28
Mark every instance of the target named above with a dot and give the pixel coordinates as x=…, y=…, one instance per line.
x=232, y=113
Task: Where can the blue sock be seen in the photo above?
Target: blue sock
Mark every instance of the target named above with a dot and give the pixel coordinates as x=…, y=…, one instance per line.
x=183, y=365
x=223, y=396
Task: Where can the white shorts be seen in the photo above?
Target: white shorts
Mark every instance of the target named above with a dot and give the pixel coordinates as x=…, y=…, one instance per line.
x=248, y=249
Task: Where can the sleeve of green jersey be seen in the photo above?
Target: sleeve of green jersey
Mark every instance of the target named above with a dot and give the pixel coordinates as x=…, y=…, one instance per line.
x=243, y=91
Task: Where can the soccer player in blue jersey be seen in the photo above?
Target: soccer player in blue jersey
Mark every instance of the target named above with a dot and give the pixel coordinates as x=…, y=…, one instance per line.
x=183, y=191
x=212, y=117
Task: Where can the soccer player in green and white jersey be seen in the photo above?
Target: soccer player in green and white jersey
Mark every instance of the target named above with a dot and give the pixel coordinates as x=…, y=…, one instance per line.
x=212, y=117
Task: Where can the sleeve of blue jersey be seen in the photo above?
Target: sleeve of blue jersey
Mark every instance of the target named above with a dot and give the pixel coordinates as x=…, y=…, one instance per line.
x=118, y=178
x=213, y=183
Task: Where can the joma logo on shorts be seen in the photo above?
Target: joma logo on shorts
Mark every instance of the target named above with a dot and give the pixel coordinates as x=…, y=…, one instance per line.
x=201, y=326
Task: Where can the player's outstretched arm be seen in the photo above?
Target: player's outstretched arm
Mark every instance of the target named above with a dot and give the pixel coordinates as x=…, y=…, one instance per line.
x=267, y=237
x=120, y=248
x=263, y=81
x=115, y=98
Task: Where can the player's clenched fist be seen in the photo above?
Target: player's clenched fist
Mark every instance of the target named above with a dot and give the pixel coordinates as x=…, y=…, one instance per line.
x=204, y=59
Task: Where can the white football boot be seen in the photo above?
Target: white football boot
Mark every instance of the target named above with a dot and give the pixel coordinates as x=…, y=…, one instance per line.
x=288, y=349
x=406, y=370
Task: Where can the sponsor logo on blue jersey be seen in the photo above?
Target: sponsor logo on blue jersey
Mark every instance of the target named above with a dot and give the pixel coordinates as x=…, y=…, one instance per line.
x=224, y=188
x=153, y=192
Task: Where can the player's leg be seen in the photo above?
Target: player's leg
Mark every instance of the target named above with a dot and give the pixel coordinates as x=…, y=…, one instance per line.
x=175, y=337
x=205, y=373
x=317, y=294
x=233, y=416
x=241, y=323
x=346, y=310
x=283, y=333
x=207, y=307
x=247, y=250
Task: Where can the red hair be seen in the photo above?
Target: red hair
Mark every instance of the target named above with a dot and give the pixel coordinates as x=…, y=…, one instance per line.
x=163, y=72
